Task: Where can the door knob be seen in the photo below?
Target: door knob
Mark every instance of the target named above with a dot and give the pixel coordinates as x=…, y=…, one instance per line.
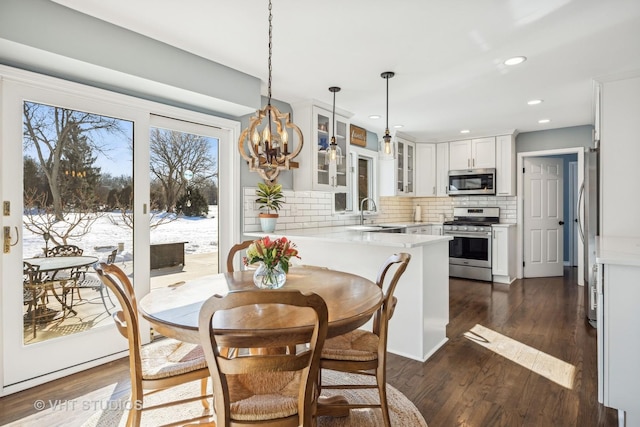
x=561, y=222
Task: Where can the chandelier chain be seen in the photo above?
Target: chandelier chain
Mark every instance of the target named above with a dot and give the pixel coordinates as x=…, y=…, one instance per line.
x=270, y=46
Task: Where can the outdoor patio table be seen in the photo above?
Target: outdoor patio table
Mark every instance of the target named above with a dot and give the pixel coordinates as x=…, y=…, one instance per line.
x=54, y=264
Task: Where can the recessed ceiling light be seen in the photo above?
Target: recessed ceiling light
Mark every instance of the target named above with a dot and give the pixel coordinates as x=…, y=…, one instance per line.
x=542, y=121
x=515, y=60
x=398, y=126
x=465, y=131
x=535, y=102
x=374, y=116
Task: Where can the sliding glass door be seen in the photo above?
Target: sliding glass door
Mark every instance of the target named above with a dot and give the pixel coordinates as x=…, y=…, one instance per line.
x=184, y=184
x=82, y=182
x=64, y=158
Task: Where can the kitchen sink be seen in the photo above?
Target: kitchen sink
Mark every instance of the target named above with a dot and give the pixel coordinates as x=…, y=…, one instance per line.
x=376, y=228
x=365, y=228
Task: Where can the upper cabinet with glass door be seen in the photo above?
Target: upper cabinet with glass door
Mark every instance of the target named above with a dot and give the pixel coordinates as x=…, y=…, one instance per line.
x=316, y=171
x=400, y=169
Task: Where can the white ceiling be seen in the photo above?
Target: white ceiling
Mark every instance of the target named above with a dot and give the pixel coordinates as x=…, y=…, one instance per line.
x=447, y=54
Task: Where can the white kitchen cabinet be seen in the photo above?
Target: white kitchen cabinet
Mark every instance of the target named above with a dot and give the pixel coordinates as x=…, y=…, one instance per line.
x=314, y=172
x=442, y=169
x=426, y=172
x=472, y=153
x=419, y=229
x=406, y=166
x=503, y=253
x=505, y=165
x=426, y=229
x=621, y=371
x=397, y=175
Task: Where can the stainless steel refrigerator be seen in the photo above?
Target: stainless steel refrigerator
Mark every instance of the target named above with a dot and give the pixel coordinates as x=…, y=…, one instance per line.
x=588, y=228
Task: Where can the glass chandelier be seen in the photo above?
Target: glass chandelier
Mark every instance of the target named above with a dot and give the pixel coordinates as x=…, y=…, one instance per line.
x=265, y=144
x=387, y=137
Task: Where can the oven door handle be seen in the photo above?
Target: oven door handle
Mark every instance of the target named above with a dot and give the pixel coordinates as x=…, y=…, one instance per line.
x=470, y=234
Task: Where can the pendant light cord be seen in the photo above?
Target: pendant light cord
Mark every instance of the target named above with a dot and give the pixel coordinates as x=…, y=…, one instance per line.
x=387, y=128
x=333, y=124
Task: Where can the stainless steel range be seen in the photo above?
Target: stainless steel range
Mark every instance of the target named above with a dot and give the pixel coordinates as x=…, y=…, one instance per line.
x=470, y=249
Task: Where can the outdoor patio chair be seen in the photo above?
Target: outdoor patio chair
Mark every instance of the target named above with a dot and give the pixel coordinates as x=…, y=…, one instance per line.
x=84, y=279
x=62, y=250
x=33, y=296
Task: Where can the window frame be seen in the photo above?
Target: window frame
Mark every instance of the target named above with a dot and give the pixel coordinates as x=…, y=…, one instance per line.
x=355, y=154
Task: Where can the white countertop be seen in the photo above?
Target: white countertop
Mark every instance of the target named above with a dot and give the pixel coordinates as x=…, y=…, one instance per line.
x=618, y=250
x=342, y=234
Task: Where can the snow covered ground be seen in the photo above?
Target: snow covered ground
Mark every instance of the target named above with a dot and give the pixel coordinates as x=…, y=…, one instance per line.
x=107, y=232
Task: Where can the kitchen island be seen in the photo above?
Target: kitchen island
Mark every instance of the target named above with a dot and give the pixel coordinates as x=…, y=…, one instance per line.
x=418, y=327
x=618, y=337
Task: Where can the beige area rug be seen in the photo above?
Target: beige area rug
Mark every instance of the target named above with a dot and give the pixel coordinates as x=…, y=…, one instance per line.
x=403, y=413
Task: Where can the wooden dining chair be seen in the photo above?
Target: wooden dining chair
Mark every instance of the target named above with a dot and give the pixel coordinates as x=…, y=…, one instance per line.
x=265, y=389
x=364, y=352
x=156, y=366
x=233, y=251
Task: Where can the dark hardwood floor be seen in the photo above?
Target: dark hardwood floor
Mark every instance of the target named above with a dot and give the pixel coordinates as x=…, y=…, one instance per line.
x=463, y=384
x=466, y=384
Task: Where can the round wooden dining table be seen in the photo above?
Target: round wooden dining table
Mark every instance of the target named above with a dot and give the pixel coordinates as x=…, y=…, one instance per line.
x=173, y=311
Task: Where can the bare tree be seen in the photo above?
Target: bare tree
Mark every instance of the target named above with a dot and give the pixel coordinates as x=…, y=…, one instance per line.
x=156, y=218
x=53, y=131
x=172, y=154
x=39, y=218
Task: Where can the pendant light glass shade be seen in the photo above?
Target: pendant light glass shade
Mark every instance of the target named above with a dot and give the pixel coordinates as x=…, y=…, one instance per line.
x=265, y=143
x=387, y=136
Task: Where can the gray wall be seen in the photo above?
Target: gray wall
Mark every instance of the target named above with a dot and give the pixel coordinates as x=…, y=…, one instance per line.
x=50, y=27
x=577, y=136
x=571, y=137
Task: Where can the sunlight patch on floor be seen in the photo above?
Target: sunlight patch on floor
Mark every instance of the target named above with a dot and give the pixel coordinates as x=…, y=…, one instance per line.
x=552, y=368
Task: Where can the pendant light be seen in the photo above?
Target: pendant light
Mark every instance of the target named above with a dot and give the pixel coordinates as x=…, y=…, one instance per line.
x=387, y=137
x=269, y=151
x=334, y=154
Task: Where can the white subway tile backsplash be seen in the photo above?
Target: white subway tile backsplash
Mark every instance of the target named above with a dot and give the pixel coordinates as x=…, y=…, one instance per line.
x=310, y=209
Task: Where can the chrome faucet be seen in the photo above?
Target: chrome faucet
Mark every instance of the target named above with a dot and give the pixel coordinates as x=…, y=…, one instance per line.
x=375, y=208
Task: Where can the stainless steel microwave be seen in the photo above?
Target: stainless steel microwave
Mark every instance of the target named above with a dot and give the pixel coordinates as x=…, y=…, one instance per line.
x=472, y=182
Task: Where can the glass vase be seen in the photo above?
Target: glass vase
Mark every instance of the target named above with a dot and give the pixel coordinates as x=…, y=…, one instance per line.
x=269, y=277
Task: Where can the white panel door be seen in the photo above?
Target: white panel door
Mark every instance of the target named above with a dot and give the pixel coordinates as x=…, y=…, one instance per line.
x=543, y=217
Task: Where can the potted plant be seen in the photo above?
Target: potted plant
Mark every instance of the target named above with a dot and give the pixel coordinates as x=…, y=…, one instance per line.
x=270, y=198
